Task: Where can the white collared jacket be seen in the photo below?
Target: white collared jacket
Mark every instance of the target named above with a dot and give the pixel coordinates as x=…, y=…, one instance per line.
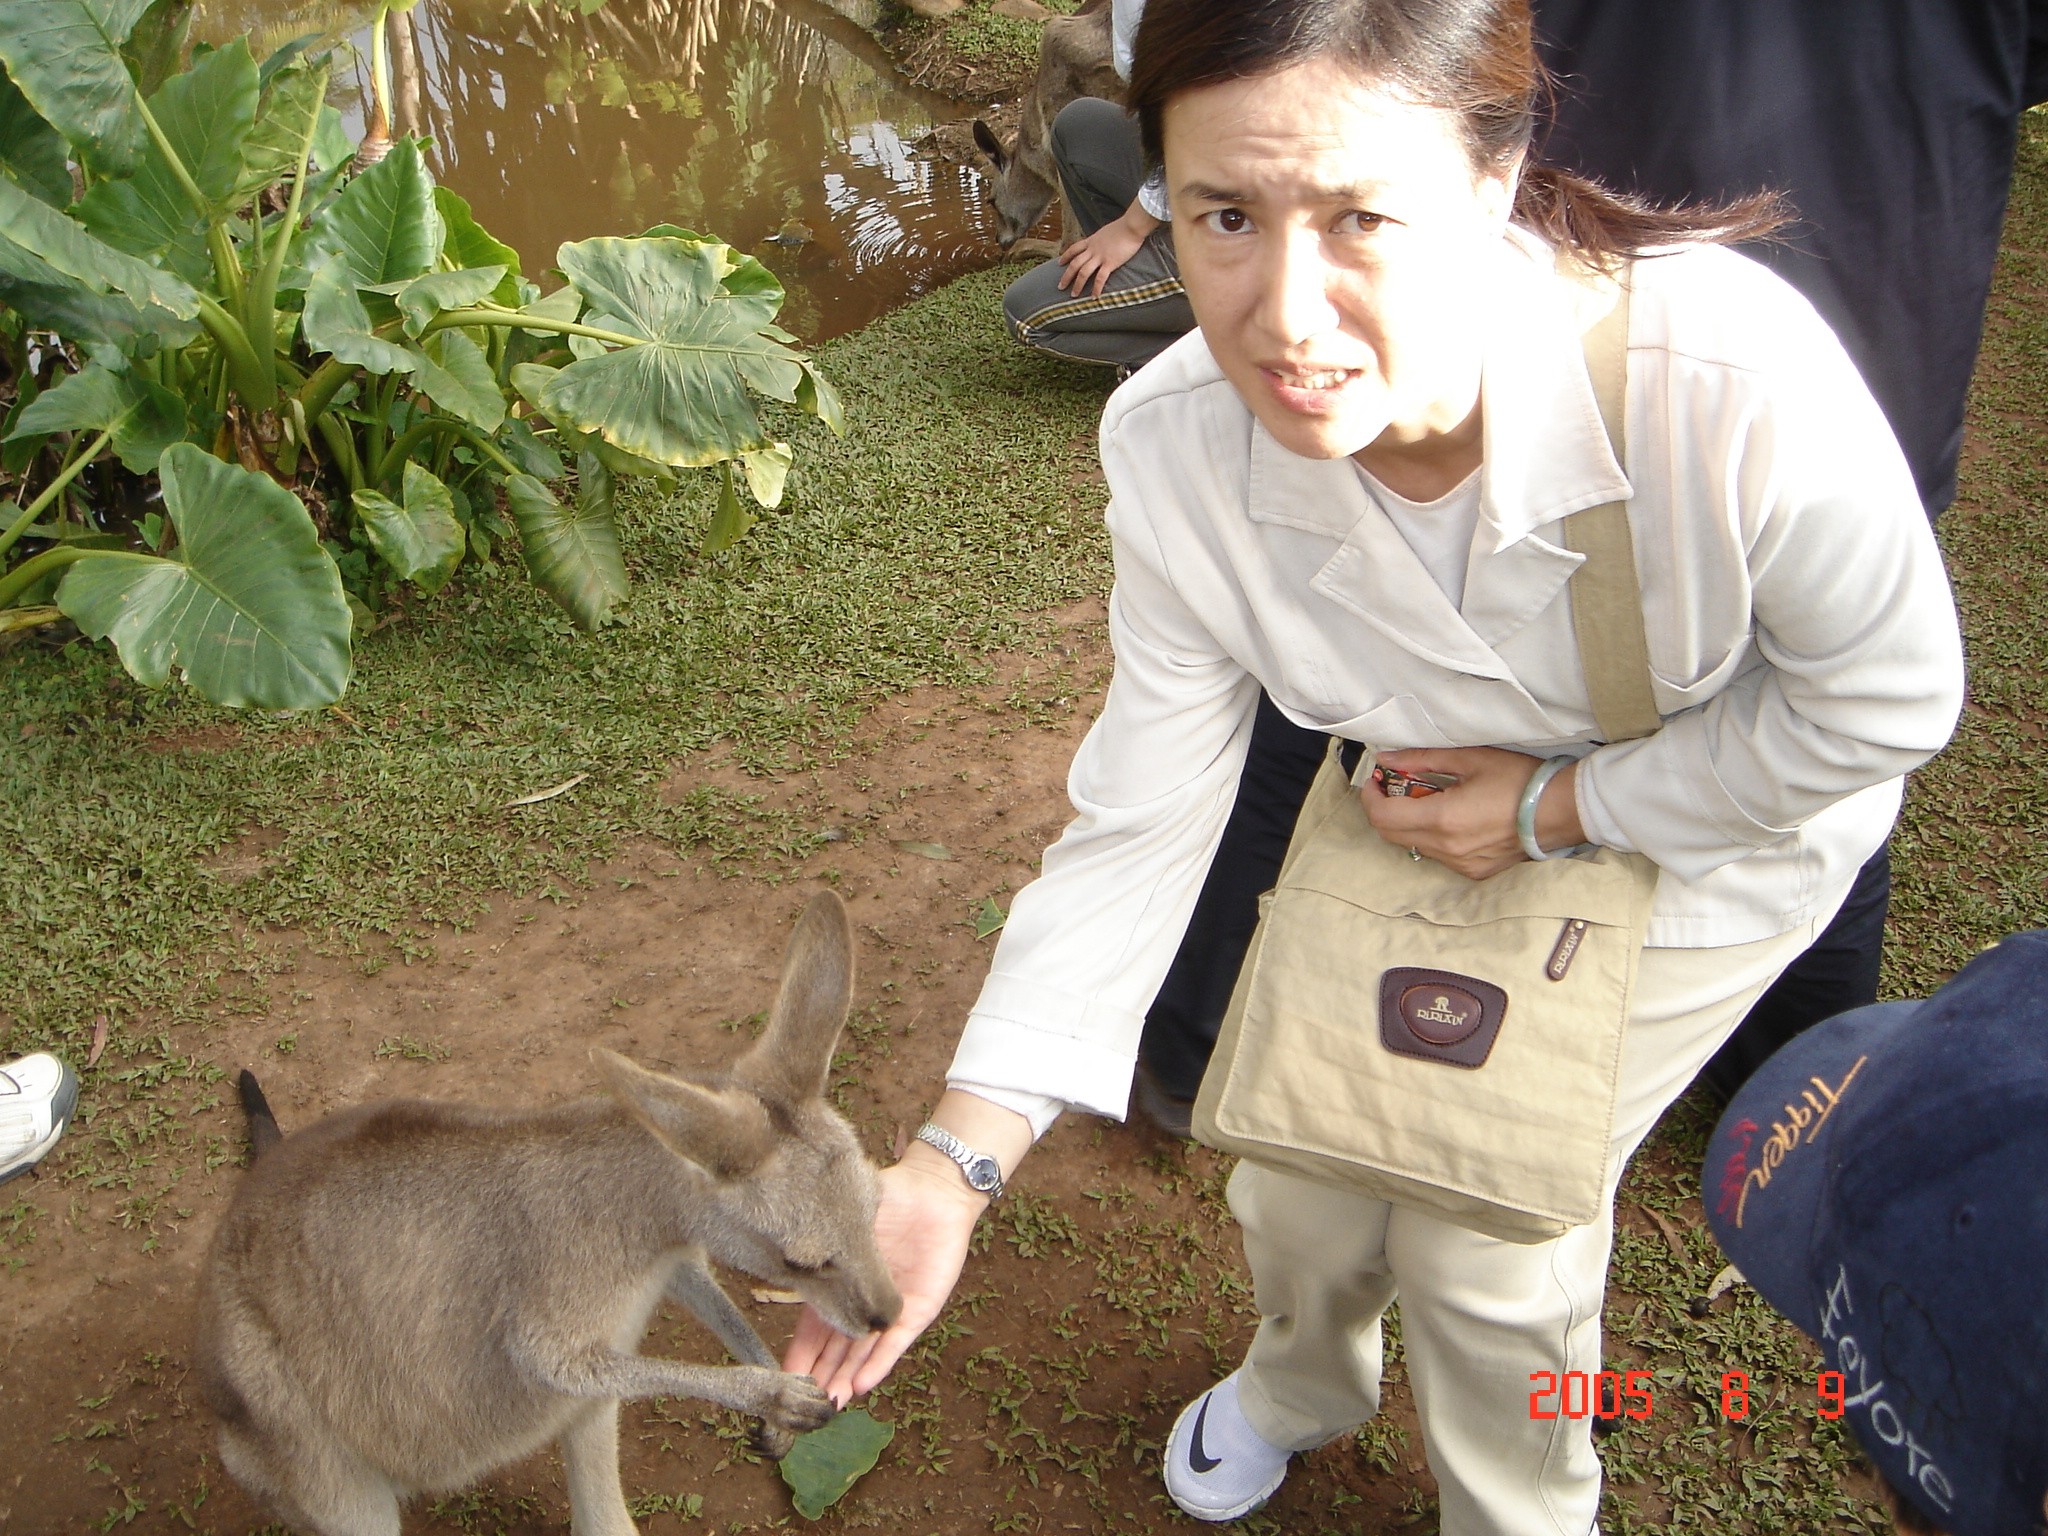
x=1802, y=637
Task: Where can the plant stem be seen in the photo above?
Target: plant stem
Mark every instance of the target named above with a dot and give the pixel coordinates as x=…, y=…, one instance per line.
x=520, y=320
x=227, y=267
x=73, y=467
x=343, y=449
x=419, y=431
x=256, y=385
x=380, y=65
x=29, y=618
x=262, y=299
x=36, y=567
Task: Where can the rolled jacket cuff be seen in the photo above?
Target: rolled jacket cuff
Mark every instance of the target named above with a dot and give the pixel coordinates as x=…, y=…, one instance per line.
x=1011, y=1043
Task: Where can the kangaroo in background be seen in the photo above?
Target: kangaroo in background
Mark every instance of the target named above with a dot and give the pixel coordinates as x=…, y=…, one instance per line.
x=1074, y=59
x=407, y=1295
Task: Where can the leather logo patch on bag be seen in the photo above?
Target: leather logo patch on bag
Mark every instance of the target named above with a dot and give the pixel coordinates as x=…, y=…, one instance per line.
x=1440, y=1015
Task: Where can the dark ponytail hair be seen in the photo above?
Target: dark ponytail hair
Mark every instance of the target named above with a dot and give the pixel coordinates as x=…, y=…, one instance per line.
x=1475, y=58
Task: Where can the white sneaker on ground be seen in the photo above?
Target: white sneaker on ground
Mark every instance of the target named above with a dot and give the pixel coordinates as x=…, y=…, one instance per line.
x=1217, y=1467
x=37, y=1095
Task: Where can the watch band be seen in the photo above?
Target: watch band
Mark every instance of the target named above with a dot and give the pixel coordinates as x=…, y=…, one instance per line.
x=984, y=1176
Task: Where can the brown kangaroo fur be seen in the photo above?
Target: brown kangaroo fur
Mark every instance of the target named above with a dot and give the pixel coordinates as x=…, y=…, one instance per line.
x=1073, y=60
x=408, y=1295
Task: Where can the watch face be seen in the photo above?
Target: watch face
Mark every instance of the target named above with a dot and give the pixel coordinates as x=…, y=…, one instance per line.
x=983, y=1174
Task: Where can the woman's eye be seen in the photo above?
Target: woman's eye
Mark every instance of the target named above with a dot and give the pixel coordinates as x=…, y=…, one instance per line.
x=1229, y=221
x=1359, y=222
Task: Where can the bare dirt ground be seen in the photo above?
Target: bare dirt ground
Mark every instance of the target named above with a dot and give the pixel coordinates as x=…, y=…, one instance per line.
x=1038, y=1406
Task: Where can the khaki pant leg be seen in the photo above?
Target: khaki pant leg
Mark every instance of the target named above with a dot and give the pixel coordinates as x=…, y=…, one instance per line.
x=1478, y=1315
x=1320, y=1280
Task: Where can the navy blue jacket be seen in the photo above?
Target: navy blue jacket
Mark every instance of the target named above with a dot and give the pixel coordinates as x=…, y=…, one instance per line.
x=1891, y=125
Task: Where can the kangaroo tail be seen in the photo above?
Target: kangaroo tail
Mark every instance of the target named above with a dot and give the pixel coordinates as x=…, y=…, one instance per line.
x=263, y=1131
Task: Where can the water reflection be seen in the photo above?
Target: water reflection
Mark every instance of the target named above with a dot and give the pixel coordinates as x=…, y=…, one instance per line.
x=776, y=124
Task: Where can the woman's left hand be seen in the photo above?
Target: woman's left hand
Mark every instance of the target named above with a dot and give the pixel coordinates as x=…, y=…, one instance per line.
x=1470, y=827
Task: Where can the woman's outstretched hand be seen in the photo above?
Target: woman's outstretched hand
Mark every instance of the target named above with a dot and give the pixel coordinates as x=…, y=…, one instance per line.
x=922, y=1226
x=1470, y=827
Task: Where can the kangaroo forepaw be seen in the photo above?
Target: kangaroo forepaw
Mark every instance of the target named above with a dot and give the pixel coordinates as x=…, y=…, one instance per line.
x=790, y=1403
x=769, y=1441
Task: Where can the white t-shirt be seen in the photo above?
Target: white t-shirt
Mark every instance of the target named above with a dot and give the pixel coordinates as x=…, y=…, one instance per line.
x=1440, y=532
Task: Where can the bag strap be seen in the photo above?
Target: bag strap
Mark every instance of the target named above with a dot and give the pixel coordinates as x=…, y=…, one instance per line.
x=1607, y=600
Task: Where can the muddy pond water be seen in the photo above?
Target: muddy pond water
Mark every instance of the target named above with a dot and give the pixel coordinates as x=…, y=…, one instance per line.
x=777, y=125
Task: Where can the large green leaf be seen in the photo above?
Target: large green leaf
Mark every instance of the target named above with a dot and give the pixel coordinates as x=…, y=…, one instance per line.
x=425, y=297
x=208, y=115
x=155, y=49
x=681, y=395
x=31, y=151
x=288, y=116
x=384, y=224
x=420, y=540
x=466, y=243
x=50, y=299
x=250, y=609
x=335, y=321
x=452, y=371
x=144, y=417
x=69, y=249
x=572, y=553
x=823, y=1464
x=66, y=57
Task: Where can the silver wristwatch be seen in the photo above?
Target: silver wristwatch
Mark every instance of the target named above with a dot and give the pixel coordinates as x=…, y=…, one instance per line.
x=983, y=1175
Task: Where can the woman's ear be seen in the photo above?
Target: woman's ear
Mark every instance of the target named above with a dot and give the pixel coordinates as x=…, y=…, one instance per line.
x=1496, y=188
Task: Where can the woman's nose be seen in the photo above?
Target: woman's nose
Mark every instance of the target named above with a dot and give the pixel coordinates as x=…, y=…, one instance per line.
x=1297, y=302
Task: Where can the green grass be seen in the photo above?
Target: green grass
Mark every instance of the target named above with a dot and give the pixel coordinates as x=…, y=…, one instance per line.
x=942, y=528
x=1970, y=861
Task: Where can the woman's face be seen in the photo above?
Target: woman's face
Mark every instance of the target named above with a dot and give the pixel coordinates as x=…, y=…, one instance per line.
x=1335, y=245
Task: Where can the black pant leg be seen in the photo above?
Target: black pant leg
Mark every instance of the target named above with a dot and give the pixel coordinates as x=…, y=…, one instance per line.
x=1838, y=973
x=1100, y=158
x=1180, y=1029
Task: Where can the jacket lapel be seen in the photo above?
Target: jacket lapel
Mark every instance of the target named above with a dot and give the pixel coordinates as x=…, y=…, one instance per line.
x=1373, y=573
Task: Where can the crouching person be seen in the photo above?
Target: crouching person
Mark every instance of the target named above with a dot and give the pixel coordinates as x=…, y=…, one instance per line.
x=1883, y=1182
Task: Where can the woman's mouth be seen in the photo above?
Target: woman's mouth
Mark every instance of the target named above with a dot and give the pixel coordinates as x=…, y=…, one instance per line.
x=1309, y=389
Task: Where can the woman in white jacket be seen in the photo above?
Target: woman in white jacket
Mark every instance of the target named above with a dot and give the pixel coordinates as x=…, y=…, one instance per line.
x=1345, y=488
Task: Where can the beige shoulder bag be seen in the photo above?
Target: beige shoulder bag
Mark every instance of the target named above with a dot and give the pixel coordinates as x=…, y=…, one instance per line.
x=1443, y=1043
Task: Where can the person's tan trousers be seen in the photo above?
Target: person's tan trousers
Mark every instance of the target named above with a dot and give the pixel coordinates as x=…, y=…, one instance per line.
x=1478, y=1315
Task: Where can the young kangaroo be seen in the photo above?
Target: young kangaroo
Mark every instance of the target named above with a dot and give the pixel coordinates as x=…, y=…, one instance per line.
x=1073, y=60
x=407, y=1295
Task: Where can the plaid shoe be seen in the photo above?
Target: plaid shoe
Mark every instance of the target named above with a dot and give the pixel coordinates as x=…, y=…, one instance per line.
x=37, y=1095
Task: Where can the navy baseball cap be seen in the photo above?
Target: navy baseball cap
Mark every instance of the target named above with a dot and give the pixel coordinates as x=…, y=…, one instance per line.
x=1883, y=1182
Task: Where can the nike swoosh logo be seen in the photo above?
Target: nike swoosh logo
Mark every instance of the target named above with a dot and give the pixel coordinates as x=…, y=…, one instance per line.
x=1196, y=1458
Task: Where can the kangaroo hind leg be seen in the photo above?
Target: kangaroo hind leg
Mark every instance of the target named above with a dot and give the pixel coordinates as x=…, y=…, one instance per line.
x=590, y=1455
x=318, y=1489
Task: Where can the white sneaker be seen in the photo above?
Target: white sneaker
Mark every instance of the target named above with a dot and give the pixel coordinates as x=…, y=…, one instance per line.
x=37, y=1095
x=1217, y=1467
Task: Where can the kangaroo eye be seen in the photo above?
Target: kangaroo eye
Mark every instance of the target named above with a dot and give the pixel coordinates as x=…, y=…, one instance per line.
x=807, y=1269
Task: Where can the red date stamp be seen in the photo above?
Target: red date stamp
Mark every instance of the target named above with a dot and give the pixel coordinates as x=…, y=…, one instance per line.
x=1627, y=1395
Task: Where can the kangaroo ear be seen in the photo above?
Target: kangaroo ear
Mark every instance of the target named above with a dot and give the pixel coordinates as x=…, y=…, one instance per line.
x=787, y=1065
x=726, y=1132
x=990, y=145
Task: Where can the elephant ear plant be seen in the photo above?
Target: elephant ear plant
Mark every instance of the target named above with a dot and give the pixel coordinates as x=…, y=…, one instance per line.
x=343, y=384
